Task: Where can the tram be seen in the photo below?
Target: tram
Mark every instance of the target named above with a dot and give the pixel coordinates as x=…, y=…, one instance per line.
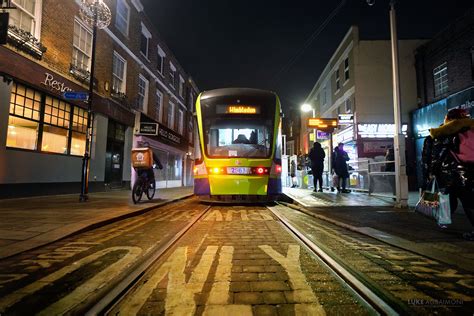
x=238, y=150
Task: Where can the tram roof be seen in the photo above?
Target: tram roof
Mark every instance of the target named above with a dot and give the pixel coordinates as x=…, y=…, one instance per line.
x=229, y=92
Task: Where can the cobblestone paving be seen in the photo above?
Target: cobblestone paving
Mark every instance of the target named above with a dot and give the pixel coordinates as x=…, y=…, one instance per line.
x=239, y=261
x=422, y=285
x=56, y=278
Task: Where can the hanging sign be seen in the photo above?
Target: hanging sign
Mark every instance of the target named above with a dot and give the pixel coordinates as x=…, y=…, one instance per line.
x=346, y=119
x=322, y=135
x=148, y=129
x=323, y=124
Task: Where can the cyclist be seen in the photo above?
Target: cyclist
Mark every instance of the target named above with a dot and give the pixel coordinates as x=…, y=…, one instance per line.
x=150, y=175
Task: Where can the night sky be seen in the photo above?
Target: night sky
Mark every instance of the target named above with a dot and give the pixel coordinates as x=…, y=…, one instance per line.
x=252, y=43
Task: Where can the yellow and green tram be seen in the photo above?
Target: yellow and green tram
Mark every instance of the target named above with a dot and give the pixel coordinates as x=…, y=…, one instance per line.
x=238, y=155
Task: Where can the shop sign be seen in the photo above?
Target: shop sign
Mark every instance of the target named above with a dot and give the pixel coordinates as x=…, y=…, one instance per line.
x=345, y=135
x=169, y=136
x=463, y=100
x=148, y=129
x=322, y=135
x=379, y=130
x=346, y=119
x=54, y=84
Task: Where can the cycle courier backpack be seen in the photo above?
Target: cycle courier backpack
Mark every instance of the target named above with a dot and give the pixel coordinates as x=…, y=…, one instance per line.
x=142, y=158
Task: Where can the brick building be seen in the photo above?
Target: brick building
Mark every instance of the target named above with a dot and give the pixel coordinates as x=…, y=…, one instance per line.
x=137, y=79
x=445, y=77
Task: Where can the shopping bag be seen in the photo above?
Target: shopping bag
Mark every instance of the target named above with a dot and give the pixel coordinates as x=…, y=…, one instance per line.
x=435, y=204
x=335, y=181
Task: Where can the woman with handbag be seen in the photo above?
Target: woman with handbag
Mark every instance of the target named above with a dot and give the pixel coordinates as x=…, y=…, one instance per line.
x=448, y=155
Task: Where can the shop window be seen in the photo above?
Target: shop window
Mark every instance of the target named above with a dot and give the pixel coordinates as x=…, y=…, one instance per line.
x=159, y=104
x=143, y=94
x=122, y=17
x=346, y=69
x=440, y=78
x=338, y=81
x=118, y=73
x=43, y=123
x=82, y=46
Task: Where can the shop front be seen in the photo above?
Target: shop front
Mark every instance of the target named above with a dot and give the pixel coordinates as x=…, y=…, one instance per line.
x=42, y=135
x=170, y=148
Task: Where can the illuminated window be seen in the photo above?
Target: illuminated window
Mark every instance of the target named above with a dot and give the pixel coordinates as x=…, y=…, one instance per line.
x=82, y=46
x=26, y=16
x=119, y=67
x=43, y=123
x=122, y=17
x=440, y=77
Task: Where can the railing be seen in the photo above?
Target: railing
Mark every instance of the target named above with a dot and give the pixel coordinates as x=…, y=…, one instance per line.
x=364, y=176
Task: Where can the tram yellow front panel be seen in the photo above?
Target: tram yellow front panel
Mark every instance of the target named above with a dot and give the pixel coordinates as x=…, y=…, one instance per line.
x=238, y=185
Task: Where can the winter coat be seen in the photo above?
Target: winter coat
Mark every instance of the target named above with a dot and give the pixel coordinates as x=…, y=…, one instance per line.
x=317, y=155
x=339, y=163
x=438, y=158
x=390, y=156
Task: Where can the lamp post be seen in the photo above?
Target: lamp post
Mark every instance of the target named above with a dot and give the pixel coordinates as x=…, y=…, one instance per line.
x=401, y=180
x=306, y=108
x=98, y=16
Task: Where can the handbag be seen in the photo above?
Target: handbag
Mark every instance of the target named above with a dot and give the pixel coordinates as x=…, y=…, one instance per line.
x=435, y=204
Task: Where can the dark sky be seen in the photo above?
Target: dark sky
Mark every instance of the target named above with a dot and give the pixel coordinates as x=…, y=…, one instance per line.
x=246, y=43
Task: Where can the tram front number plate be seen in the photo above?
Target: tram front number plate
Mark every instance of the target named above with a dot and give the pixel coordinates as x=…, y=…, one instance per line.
x=238, y=170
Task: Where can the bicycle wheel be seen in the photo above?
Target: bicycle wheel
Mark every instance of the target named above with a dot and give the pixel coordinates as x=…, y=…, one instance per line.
x=150, y=192
x=137, y=191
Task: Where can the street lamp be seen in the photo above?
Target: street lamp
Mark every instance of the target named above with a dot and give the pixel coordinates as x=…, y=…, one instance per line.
x=307, y=108
x=97, y=15
x=401, y=180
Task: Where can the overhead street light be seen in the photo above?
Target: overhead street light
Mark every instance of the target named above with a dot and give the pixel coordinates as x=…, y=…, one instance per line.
x=97, y=15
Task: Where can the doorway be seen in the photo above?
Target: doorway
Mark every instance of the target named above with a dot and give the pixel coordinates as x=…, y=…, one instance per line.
x=114, y=155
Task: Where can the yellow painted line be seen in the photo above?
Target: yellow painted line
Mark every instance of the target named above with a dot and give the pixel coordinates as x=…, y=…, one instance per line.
x=15, y=297
x=302, y=293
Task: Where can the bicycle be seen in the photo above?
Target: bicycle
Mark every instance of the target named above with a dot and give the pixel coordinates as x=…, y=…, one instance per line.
x=143, y=184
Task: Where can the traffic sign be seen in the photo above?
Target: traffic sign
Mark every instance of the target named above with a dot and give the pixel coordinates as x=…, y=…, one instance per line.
x=72, y=95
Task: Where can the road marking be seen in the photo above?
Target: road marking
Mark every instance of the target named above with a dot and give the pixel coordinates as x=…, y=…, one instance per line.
x=218, y=301
x=180, y=294
x=230, y=213
x=6, y=278
x=214, y=215
x=18, y=295
x=302, y=292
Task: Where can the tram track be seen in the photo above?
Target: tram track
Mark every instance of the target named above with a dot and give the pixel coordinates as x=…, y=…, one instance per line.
x=120, y=290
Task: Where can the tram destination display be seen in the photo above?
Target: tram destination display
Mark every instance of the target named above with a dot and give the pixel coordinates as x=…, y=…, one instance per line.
x=238, y=109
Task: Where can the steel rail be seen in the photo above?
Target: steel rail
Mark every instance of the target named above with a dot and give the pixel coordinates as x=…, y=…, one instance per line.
x=371, y=298
x=110, y=299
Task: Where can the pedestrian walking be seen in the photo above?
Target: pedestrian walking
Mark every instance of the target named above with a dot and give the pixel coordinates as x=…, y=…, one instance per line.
x=317, y=155
x=294, y=182
x=448, y=155
x=339, y=166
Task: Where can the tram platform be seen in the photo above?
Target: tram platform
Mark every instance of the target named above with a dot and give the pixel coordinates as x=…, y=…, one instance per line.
x=376, y=217
x=28, y=223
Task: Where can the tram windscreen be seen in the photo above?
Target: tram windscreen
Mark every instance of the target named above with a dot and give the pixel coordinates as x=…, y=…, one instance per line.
x=238, y=137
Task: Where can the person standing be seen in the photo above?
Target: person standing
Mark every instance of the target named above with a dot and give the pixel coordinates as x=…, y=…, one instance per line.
x=448, y=156
x=317, y=155
x=339, y=166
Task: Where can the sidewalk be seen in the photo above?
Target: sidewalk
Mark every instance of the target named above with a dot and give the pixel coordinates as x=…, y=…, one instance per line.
x=27, y=223
x=403, y=228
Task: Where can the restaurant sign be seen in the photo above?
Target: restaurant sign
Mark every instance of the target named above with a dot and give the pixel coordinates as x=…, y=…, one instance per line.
x=148, y=128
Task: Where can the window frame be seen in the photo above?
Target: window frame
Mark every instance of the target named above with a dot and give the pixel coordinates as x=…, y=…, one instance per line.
x=123, y=87
x=127, y=20
x=180, y=122
x=89, y=31
x=338, y=80
x=71, y=116
x=346, y=70
x=159, y=95
x=171, y=110
x=181, y=86
x=440, y=80
x=146, y=34
x=144, y=106
x=37, y=17
x=172, y=75
x=162, y=58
